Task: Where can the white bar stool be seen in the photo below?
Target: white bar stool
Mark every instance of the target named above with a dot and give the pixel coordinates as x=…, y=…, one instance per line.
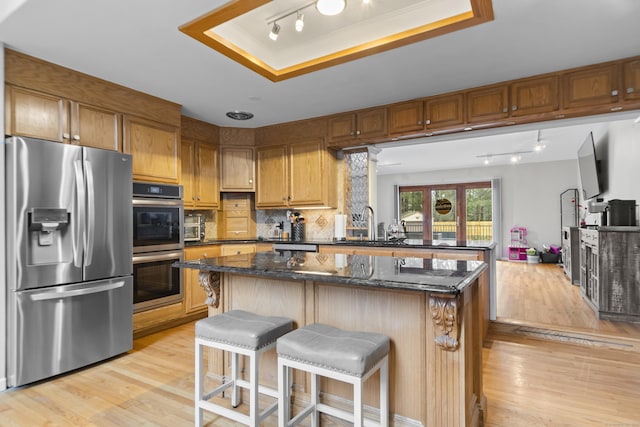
x=347, y=356
x=237, y=332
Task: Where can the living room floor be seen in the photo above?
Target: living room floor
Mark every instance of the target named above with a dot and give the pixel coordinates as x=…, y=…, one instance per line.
x=542, y=295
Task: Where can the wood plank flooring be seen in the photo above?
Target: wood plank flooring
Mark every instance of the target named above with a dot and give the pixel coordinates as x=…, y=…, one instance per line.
x=541, y=294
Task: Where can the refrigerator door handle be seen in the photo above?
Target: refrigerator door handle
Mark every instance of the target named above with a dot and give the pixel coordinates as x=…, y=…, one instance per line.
x=53, y=294
x=80, y=214
x=91, y=213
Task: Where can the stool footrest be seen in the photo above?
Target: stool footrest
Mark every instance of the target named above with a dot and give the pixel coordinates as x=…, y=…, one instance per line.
x=217, y=391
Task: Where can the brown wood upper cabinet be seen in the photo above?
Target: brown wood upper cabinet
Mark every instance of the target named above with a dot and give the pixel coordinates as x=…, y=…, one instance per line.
x=534, y=96
x=367, y=124
x=155, y=149
x=406, y=117
x=444, y=111
x=40, y=115
x=296, y=175
x=631, y=73
x=237, y=169
x=199, y=175
x=488, y=104
x=592, y=86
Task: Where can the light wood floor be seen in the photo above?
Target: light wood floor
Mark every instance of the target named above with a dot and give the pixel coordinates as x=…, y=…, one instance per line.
x=527, y=382
x=541, y=294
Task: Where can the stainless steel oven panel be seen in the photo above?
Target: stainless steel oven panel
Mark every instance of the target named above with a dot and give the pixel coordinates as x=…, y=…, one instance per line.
x=152, y=257
x=158, y=204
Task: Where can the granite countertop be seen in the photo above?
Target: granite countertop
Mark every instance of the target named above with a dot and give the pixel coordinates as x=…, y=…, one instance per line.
x=416, y=274
x=408, y=243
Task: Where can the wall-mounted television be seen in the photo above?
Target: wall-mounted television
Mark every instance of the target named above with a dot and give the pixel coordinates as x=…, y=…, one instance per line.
x=589, y=168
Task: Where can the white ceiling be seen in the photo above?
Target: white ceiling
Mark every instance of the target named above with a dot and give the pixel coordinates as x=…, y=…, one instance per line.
x=137, y=44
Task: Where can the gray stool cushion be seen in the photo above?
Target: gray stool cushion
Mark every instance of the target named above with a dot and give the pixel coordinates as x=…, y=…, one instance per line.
x=243, y=329
x=353, y=353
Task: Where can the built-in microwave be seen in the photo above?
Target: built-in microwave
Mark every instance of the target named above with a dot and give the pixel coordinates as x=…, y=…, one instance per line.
x=194, y=227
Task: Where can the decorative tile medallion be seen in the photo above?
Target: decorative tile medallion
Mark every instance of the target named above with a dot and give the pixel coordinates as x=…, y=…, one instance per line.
x=322, y=221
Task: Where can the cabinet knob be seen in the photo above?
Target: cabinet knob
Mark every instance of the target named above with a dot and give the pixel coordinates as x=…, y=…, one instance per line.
x=357, y=132
x=514, y=107
x=419, y=122
x=504, y=110
x=630, y=90
x=65, y=136
x=351, y=133
x=614, y=93
x=76, y=137
x=428, y=122
x=250, y=181
x=198, y=198
x=193, y=197
x=204, y=254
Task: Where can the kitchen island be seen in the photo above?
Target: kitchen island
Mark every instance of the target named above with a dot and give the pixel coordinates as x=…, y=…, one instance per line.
x=430, y=308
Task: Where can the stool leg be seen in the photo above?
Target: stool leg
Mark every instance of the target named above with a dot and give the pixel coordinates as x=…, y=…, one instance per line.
x=253, y=389
x=384, y=393
x=315, y=394
x=234, y=379
x=357, y=403
x=198, y=388
x=284, y=389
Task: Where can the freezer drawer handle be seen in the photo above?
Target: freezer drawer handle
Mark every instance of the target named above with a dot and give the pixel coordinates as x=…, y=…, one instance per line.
x=76, y=292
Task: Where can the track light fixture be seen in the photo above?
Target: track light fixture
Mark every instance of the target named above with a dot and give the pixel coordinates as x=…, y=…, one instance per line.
x=300, y=21
x=273, y=35
x=324, y=7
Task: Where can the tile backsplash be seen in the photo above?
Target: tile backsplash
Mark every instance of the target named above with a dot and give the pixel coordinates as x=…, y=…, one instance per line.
x=319, y=223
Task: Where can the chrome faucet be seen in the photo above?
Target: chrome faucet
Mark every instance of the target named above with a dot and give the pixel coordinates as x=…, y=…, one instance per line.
x=371, y=221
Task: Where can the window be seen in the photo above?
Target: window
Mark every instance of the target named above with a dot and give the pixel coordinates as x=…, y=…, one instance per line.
x=447, y=213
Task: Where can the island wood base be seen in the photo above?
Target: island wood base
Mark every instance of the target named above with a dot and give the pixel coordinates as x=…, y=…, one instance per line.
x=435, y=363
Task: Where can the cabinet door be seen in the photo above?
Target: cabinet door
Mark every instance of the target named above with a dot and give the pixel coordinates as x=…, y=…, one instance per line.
x=534, y=96
x=238, y=224
x=207, y=188
x=632, y=80
x=237, y=169
x=371, y=123
x=342, y=127
x=593, y=86
x=444, y=111
x=36, y=115
x=488, y=104
x=306, y=169
x=406, y=117
x=194, y=296
x=188, y=172
x=155, y=150
x=95, y=127
x=272, y=188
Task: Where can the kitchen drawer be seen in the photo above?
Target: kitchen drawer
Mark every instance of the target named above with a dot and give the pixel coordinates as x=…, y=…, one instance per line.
x=198, y=252
x=236, y=204
x=238, y=249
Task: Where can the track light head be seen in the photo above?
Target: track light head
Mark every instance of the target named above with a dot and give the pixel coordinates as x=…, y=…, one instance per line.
x=300, y=21
x=273, y=35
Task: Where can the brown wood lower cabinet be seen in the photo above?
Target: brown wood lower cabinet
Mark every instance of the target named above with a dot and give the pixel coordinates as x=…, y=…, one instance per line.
x=194, y=295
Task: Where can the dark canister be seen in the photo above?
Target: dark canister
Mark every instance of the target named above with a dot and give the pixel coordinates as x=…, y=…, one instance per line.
x=297, y=229
x=621, y=212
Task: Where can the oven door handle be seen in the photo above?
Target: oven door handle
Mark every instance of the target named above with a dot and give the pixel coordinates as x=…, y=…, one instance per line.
x=138, y=259
x=156, y=202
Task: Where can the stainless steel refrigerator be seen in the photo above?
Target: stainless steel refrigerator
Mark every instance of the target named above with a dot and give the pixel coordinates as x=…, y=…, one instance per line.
x=69, y=257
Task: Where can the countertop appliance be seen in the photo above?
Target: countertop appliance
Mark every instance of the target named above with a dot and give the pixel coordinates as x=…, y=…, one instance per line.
x=194, y=228
x=158, y=240
x=68, y=257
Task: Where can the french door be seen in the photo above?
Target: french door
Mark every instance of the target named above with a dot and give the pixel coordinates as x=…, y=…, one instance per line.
x=447, y=213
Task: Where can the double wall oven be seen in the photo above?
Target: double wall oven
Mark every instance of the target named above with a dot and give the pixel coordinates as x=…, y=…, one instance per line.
x=158, y=240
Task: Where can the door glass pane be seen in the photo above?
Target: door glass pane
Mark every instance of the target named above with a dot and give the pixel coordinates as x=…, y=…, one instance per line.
x=478, y=225
x=411, y=213
x=444, y=216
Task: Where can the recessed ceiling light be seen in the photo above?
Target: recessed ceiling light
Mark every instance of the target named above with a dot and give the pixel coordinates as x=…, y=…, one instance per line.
x=239, y=115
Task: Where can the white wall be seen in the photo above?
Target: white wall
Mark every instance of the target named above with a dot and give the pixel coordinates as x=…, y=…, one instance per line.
x=618, y=150
x=530, y=195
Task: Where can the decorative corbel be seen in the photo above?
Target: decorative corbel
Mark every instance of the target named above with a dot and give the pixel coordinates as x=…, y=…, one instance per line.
x=445, y=314
x=210, y=282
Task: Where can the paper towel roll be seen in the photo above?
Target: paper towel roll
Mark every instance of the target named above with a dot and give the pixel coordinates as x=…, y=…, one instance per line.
x=340, y=232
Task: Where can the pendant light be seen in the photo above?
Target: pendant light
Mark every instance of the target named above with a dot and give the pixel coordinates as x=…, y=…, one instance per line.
x=330, y=7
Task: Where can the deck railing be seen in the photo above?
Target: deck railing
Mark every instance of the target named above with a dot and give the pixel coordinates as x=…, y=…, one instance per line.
x=476, y=230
